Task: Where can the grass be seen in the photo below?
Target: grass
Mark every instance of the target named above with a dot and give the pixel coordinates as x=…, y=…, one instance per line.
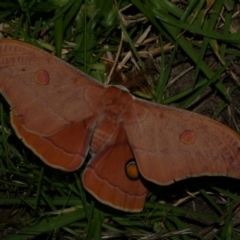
x=36, y=200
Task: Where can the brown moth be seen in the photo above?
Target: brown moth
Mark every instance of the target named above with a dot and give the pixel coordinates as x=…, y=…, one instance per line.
x=61, y=114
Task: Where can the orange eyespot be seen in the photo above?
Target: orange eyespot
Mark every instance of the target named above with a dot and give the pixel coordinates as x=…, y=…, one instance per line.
x=42, y=77
x=132, y=170
x=187, y=136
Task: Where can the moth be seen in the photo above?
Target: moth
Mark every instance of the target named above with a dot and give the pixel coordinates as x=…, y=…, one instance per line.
x=61, y=114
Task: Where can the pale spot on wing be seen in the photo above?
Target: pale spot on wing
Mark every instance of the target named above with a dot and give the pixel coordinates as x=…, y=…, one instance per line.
x=187, y=136
x=42, y=77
